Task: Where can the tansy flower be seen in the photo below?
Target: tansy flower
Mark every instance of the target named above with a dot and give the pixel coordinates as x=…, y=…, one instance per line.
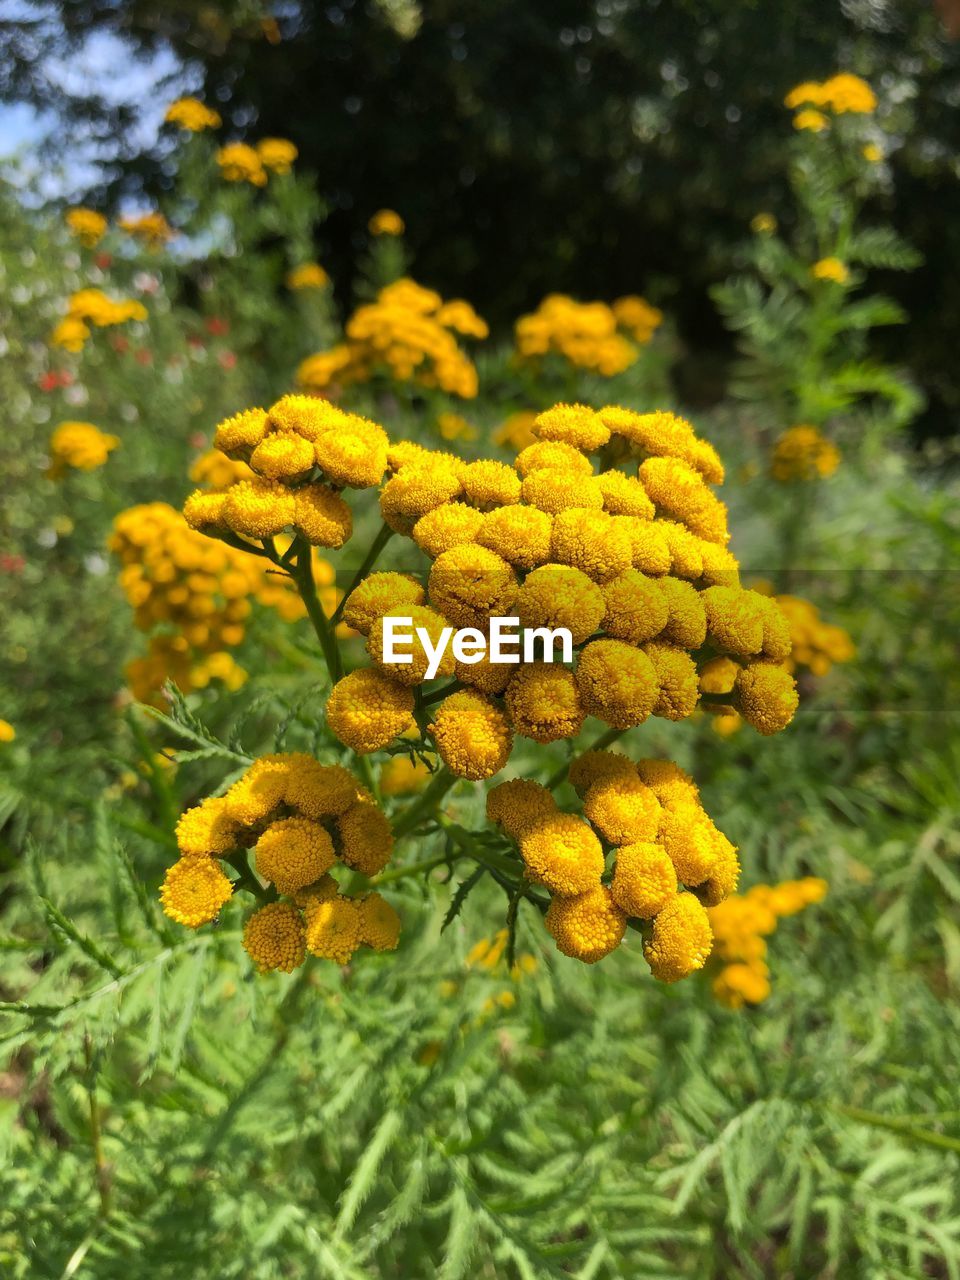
x=635, y=608
x=625, y=495
x=671, y=785
x=681, y=939
x=450, y=525
x=664, y=435
x=554, y=455
x=488, y=484
x=317, y=790
x=521, y=535
x=763, y=224
x=472, y=735
x=258, y=508
x=238, y=436
x=723, y=877
x=489, y=677
x=277, y=154
x=689, y=838
x=616, y=683
x=80, y=446
x=207, y=830
x=830, y=269
x=379, y=594
x=804, y=453
x=597, y=766
x=557, y=595
x=623, y=809
x=719, y=675
x=637, y=316
x=553, y=490
x=574, y=424
x=282, y=456
x=386, y=222
x=811, y=120
x=216, y=472
x=458, y=314
x=415, y=490
x=191, y=114
x=352, y=452
x=588, y=927
x=70, y=334
x=193, y=891
x=379, y=923
x=322, y=516
x=294, y=852
x=274, y=938
x=309, y=275
x=240, y=163
x=470, y=584
x=366, y=840
x=87, y=225
x=333, y=931
x=151, y=228
x=872, y=153
x=413, y=671
x=544, y=703
x=686, y=623
x=401, y=776
x=515, y=804
x=7, y=732
x=768, y=696
x=676, y=674
x=592, y=541
x=644, y=880
x=561, y=853
x=676, y=488
x=367, y=709
x=734, y=619
x=649, y=549
x=739, y=984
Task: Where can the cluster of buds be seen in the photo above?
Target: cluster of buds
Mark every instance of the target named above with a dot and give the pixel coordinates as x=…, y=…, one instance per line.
x=301, y=819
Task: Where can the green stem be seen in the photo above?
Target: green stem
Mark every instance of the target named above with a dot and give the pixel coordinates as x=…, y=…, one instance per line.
x=303, y=577
x=379, y=542
x=438, y=695
x=101, y=1170
x=413, y=869
x=245, y=877
x=425, y=803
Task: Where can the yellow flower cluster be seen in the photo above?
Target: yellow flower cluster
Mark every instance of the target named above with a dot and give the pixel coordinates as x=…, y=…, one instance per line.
x=79, y=445
x=89, y=307
x=740, y=927
x=309, y=275
x=386, y=222
x=842, y=94
x=831, y=269
x=634, y=565
x=810, y=120
x=191, y=114
x=409, y=334
x=300, y=818
x=301, y=452
x=803, y=453
x=87, y=225
x=7, y=732
x=587, y=334
x=239, y=162
x=152, y=229
x=670, y=860
x=817, y=645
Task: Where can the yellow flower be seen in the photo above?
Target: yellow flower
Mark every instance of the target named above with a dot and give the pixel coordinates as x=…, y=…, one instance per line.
x=681, y=939
x=87, y=225
x=309, y=275
x=616, y=683
x=333, y=931
x=516, y=431
x=70, y=334
x=79, y=445
x=768, y=697
x=804, y=453
x=294, y=852
x=415, y=490
x=207, y=830
x=830, y=269
x=274, y=938
x=553, y=490
x=592, y=541
x=400, y=776
x=452, y=426
x=192, y=115
x=515, y=804
x=450, y=525
x=739, y=984
x=322, y=516
x=366, y=840
x=385, y=222
x=588, y=927
x=848, y=93
x=239, y=436
x=625, y=495
x=735, y=619
x=193, y=891
x=583, y=334
x=872, y=153
x=282, y=455
x=561, y=853
x=664, y=435
x=623, y=809
x=809, y=92
x=574, y=424
x=367, y=709
x=415, y=670
x=488, y=484
x=638, y=317
x=520, y=534
x=671, y=785
x=677, y=677
x=554, y=455
x=241, y=163
x=7, y=732
x=678, y=489
x=277, y=154
x=151, y=228
x=472, y=735
x=811, y=120
x=644, y=879
x=544, y=702
x=379, y=594
x=597, y=766
x=719, y=675
x=457, y=314
x=763, y=224
x=470, y=584
x=379, y=923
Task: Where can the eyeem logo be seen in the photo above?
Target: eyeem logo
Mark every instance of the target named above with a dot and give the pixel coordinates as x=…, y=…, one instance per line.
x=470, y=645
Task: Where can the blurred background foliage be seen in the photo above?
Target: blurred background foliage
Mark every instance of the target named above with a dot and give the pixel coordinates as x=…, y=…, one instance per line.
x=550, y=144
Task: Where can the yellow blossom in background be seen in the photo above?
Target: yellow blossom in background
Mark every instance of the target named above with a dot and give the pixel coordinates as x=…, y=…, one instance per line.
x=810, y=120
x=763, y=224
x=815, y=644
x=454, y=427
x=401, y=776
x=87, y=225
x=843, y=93
x=80, y=446
x=150, y=228
x=89, y=307
x=70, y=333
x=309, y=275
x=215, y=471
x=584, y=333
x=241, y=163
x=872, y=153
x=386, y=222
x=516, y=432
x=277, y=154
x=7, y=731
x=638, y=317
x=803, y=453
x=830, y=269
x=191, y=114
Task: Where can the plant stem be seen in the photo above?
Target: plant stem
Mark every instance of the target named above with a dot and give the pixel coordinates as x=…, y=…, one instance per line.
x=303, y=577
x=379, y=542
x=101, y=1171
x=412, y=869
x=424, y=805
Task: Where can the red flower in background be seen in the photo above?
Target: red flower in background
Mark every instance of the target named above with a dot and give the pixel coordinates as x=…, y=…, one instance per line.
x=143, y=356
x=103, y=260
x=12, y=564
x=227, y=360
x=217, y=326
x=195, y=343
x=119, y=344
x=53, y=379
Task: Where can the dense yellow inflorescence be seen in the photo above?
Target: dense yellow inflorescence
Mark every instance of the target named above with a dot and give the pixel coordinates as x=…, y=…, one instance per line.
x=151, y=229
x=87, y=225
x=588, y=334
x=741, y=926
x=843, y=93
x=301, y=818
x=408, y=333
x=308, y=275
x=191, y=114
x=79, y=446
x=89, y=309
x=803, y=453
